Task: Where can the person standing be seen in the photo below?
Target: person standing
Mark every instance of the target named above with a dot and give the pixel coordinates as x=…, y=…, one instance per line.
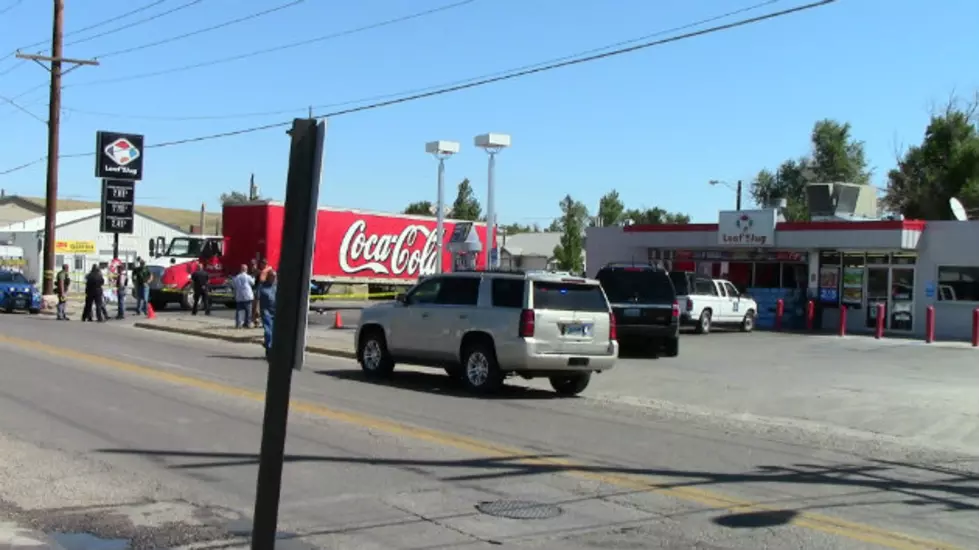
x=93, y=294
x=62, y=284
x=142, y=279
x=200, y=279
x=122, y=282
x=106, y=291
x=255, y=270
x=244, y=297
x=266, y=304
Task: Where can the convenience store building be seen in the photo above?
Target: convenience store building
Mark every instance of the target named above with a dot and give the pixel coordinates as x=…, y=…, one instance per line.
x=906, y=265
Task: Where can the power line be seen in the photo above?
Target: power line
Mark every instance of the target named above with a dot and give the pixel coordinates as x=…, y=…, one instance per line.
x=136, y=23
x=13, y=5
x=21, y=62
x=23, y=109
x=486, y=81
x=225, y=24
x=402, y=93
x=282, y=47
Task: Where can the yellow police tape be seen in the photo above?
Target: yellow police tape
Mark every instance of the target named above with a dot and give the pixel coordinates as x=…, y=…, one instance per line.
x=353, y=296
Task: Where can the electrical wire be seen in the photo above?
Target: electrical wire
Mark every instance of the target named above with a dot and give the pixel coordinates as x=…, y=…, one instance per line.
x=23, y=109
x=486, y=81
x=13, y=5
x=279, y=48
x=606, y=47
x=225, y=24
x=136, y=23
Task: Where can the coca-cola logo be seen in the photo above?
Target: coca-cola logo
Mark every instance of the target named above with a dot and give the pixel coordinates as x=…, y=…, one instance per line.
x=413, y=252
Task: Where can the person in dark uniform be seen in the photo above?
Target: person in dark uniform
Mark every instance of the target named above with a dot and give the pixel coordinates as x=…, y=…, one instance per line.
x=93, y=294
x=200, y=278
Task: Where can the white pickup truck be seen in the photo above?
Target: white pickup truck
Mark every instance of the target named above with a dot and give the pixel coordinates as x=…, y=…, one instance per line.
x=705, y=302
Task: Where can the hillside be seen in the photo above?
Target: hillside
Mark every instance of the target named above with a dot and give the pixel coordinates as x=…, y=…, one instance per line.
x=173, y=216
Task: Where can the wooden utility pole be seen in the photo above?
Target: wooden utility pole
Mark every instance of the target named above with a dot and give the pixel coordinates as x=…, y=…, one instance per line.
x=54, y=129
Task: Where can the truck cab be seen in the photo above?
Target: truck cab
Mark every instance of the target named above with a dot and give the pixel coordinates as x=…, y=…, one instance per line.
x=705, y=302
x=172, y=264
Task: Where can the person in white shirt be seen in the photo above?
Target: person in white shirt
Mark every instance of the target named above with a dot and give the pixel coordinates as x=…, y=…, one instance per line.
x=244, y=296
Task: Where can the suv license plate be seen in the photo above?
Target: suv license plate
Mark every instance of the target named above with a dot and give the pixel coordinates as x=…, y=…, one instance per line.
x=577, y=330
x=20, y=303
x=631, y=312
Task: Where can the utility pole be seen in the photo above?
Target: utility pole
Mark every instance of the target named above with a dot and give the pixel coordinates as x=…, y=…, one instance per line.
x=737, y=199
x=54, y=129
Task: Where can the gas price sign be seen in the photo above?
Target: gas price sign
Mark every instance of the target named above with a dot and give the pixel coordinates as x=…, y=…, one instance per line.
x=118, y=206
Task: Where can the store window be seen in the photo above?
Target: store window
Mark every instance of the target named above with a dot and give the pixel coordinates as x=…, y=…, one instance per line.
x=958, y=284
x=767, y=275
x=853, y=271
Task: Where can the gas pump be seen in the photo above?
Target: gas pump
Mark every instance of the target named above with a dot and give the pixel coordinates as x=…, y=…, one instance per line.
x=465, y=246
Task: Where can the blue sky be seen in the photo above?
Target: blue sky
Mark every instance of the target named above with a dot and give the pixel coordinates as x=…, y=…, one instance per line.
x=656, y=124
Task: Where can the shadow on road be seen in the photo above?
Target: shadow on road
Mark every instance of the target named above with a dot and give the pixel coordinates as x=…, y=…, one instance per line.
x=439, y=384
x=949, y=490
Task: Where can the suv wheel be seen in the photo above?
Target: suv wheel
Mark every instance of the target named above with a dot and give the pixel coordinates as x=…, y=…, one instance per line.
x=748, y=323
x=373, y=355
x=703, y=326
x=571, y=384
x=480, y=372
x=672, y=347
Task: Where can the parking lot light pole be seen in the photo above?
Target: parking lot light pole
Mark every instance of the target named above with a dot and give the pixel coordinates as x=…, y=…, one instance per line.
x=492, y=144
x=441, y=150
x=736, y=189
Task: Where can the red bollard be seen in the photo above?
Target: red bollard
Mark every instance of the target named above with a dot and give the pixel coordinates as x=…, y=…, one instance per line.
x=930, y=324
x=779, y=312
x=975, y=327
x=842, y=320
x=880, y=321
x=810, y=314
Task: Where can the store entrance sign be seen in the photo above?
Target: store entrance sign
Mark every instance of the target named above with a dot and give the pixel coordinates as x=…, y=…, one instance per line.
x=747, y=228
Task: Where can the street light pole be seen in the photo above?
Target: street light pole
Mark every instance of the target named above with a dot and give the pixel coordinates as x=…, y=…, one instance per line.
x=441, y=150
x=736, y=189
x=737, y=200
x=492, y=144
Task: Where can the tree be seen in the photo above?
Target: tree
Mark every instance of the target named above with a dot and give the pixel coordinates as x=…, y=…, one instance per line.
x=574, y=216
x=610, y=209
x=555, y=226
x=943, y=166
x=420, y=208
x=515, y=228
x=234, y=197
x=835, y=157
x=466, y=207
x=654, y=216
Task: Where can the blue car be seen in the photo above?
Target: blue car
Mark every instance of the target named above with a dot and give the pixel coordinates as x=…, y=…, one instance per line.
x=17, y=293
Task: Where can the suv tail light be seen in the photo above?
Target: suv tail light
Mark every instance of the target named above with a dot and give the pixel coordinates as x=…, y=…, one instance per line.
x=676, y=309
x=527, y=323
x=689, y=304
x=613, y=333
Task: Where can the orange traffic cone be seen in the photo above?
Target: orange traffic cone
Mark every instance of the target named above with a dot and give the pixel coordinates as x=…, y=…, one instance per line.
x=150, y=312
x=337, y=320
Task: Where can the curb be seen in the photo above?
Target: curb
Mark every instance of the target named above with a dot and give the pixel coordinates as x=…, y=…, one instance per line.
x=318, y=350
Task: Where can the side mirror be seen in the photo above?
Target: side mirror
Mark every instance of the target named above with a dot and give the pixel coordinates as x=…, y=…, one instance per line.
x=32, y=281
x=401, y=298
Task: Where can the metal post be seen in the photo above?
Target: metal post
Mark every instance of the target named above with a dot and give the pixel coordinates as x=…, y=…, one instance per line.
x=203, y=210
x=439, y=214
x=115, y=246
x=289, y=333
x=490, y=211
x=737, y=200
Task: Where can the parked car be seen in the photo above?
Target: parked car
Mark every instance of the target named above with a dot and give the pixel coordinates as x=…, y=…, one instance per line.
x=17, y=293
x=644, y=305
x=705, y=302
x=484, y=326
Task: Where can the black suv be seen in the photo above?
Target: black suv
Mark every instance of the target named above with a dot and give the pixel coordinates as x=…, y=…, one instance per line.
x=644, y=303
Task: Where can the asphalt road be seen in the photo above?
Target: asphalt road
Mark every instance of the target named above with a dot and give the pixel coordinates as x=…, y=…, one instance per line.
x=149, y=437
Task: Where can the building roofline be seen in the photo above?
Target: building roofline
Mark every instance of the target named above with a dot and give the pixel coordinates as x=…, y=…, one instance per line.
x=871, y=225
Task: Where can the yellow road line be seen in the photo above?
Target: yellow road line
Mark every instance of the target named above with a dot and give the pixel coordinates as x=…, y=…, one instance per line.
x=711, y=499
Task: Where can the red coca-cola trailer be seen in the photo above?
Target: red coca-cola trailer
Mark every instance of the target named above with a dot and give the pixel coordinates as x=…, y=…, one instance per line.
x=352, y=246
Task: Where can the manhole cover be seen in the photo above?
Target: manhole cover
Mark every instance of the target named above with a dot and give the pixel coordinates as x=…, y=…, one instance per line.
x=519, y=509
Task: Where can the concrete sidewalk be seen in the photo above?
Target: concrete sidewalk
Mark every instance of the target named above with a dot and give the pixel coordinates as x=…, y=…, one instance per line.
x=323, y=341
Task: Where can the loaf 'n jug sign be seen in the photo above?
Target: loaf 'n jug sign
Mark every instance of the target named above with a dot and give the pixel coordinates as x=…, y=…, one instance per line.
x=747, y=228
x=118, y=156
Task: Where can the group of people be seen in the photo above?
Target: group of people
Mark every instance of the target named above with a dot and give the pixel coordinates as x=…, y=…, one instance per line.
x=95, y=291
x=254, y=288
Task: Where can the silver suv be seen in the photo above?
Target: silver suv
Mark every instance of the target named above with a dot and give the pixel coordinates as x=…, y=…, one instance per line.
x=484, y=326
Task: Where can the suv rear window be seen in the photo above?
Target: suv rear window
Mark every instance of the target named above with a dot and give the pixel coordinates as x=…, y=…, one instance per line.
x=568, y=296
x=639, y=286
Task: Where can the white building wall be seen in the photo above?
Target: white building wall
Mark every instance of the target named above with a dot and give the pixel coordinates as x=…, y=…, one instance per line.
x=945, y=243
x=604, y=245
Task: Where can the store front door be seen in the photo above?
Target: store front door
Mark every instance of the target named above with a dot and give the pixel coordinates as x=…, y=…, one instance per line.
x=894, y=288
x=901, y=307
